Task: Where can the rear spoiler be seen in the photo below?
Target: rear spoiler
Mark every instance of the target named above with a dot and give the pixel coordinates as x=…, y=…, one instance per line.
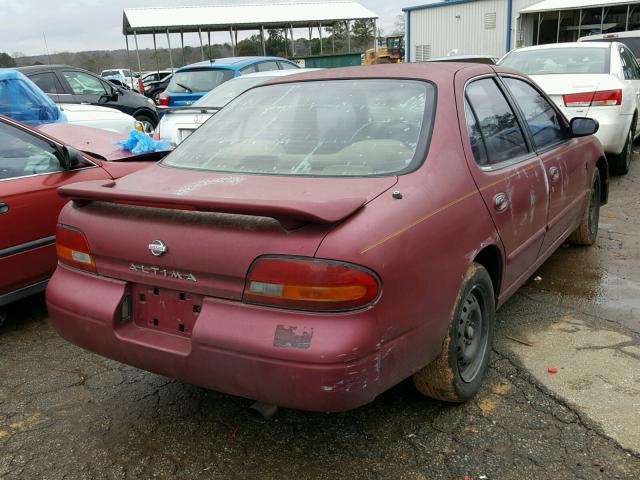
x=289, y=214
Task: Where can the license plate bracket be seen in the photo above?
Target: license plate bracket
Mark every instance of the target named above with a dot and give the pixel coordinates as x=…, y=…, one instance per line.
x=163, y=309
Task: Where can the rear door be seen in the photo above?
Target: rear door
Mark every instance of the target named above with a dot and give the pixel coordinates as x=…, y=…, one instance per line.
x=508, y=174
x=30, y=173
x=564, y=164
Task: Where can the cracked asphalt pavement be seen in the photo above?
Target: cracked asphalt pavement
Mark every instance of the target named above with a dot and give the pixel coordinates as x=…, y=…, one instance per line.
x=66, y=413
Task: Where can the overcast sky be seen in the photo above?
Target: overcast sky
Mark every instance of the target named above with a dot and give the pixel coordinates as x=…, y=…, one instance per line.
x=77, y=25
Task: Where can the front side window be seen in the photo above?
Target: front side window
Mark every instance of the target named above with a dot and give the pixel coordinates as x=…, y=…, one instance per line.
x=287, y=66
x=550, y=61
x=628, y=65
x=23, y=154
x=543, y=120
x=317, y=128
x=198, y=80
x=83, y=84
x=267, y=66
x=497, y=123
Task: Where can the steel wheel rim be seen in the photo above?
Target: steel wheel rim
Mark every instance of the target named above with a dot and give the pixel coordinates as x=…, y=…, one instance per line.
x=471, y=336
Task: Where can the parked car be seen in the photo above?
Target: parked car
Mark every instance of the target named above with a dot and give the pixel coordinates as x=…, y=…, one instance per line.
x=631, y=40
x=33, y=164
x=329, y=234
x=599, y=80
x=123, y=76
x=191, y=82
x=178, y=123
x=65, y=84
x=487, y=59
x=21, y=99
x=153, y=90
x=155, y=76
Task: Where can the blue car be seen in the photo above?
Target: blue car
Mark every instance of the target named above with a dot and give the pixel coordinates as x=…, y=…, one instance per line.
x=191, y=82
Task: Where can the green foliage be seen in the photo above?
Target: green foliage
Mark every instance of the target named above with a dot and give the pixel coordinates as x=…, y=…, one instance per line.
x=7, y=60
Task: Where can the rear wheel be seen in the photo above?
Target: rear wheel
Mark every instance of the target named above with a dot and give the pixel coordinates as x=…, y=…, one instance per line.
x=456, y=374
x=587, y=232
x=619, y=164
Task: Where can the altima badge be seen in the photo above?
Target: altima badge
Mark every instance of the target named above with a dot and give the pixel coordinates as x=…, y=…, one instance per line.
x=157, y=248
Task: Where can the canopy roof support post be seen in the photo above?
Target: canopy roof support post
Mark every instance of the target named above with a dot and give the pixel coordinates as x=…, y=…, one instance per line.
x=155, y=52
x=333, y=39
x=579, y=22
x=348, y=22
x=602, y=20
x=209, y=43
x=170, y=54
x=233, y=48
x=293, y=42
x=626, y=25
x=286, y=40
x=264, y=47
x=135, y=37
x=235, y=36
x=184, y=62
x=320, y=33
x=538, y=35
x=559, y=21
x=375, y=38
x=126, y=41
x=310, y=36
x=201, y=45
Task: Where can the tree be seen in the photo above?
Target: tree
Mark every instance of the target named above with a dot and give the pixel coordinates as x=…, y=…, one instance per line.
x=399, y=25
x=7, y=60
x=362, y=34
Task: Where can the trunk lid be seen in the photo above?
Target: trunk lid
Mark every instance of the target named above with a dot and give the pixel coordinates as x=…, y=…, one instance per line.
x=213, y=225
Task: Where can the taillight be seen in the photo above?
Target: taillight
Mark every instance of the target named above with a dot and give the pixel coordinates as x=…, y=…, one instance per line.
x=310, y=284
x=603, y=98
x=73, y=249
x=163, y=99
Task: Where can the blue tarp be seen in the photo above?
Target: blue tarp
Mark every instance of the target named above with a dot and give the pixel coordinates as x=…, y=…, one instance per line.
x=22, y=100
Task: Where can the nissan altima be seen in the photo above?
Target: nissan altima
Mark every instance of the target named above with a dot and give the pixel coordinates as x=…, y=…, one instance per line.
x=328, y=234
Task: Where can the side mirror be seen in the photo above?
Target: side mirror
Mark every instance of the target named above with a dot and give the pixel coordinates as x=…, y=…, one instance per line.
x=583, y=126
x=71, y=158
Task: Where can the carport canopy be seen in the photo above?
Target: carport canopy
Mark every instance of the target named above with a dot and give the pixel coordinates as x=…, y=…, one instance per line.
x=555, y=5
x=233, y=18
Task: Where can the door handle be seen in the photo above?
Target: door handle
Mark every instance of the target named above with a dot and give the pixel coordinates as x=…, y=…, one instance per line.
x=4, y=207
x=554, y=174
x=500, y=202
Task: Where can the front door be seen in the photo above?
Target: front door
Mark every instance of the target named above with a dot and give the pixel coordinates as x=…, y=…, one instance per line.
x=87, y=88
x=30, y=173
x=508, y=174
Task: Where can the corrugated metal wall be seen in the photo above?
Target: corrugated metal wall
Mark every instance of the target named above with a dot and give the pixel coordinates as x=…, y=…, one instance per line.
x=464, y=27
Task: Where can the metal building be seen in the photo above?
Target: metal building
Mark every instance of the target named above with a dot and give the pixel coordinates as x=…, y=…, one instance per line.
x=493, y=27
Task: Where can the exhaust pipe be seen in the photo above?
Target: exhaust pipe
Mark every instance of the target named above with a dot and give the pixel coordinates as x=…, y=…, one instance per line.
x=267, y=410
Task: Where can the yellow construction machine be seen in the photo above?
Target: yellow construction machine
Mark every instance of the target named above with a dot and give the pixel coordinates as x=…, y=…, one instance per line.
x=390, y=50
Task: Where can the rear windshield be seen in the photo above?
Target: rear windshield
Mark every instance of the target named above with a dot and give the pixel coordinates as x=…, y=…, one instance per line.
x=559, y=60
x=198, y=80
x=319, y=128
x=632, y=42
x=223, y=94
x=108, y=73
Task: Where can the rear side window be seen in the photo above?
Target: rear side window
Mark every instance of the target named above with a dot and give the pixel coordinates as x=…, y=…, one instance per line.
x=629, y=65
x=498, y=126
x=267, y=66
x=198, y=80
x=250, y=69
x=543, y=120
x=47, y=81
x=287, y=66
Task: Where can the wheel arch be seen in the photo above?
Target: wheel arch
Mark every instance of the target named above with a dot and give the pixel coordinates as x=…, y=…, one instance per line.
x=603, y=166
x=490, y=258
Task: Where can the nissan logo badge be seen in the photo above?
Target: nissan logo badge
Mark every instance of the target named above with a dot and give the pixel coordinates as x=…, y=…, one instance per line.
x=157, y=248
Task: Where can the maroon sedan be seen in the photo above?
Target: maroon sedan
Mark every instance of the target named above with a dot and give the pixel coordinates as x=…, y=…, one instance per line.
x=33, y=164
x=330, y=234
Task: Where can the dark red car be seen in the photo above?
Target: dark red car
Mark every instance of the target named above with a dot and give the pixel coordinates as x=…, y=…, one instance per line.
x=330, y=234
x=33, y=164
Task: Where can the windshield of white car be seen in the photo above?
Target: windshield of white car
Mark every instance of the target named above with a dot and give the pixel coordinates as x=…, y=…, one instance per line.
x=363, y=127
x=220, y=96
x=198, y=80
x=550, y=61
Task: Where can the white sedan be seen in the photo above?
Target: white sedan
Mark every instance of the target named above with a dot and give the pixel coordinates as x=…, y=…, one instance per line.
x=600, y=80
x=99, y=117
x=178, y=123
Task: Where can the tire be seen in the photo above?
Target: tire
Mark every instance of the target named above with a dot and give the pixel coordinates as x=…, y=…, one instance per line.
x=452, y=377
x=3, y=317
x=587, y=231
x=619, y=164
x=155, y=96
x=147, y=123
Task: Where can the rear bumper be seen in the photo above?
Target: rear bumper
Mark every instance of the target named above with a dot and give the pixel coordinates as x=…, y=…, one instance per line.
x=614, y=125
x=326, y=363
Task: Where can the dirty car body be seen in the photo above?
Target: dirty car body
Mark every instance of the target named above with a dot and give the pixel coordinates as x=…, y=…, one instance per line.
x=308, y=246
x=33, y=164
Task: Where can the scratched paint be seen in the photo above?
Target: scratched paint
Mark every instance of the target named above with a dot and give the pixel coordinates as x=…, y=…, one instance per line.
x=287, y=336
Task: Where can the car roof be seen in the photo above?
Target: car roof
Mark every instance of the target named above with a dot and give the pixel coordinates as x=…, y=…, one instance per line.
x=436, y=72
x=234, y=63
x=39, y=68
x=565, y=45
